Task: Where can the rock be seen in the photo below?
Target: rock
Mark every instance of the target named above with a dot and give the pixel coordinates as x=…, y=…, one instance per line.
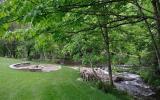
x=128, y=82
x=134, y=85
x=87, y=74
x=118, y=79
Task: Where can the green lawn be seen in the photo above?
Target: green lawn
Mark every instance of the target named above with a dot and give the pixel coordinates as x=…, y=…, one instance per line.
x=58, y=85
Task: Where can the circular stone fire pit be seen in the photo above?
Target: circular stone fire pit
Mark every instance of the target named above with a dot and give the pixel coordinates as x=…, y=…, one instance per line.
x=35, y=68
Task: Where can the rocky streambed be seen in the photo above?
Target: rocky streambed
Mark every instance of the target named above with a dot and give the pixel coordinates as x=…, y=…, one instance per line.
x=128, y=82
x=134, y=85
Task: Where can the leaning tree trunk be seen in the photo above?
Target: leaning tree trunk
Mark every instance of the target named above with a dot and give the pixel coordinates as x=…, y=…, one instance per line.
x=151, y=34
x=156, y=8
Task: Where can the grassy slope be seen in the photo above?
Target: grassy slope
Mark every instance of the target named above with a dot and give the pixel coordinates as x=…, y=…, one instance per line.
x=59, y=85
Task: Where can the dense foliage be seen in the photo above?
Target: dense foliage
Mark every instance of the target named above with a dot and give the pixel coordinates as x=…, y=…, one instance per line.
x=92, y=32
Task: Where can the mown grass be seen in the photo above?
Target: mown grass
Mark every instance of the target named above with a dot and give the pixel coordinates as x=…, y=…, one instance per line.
x=58, y=85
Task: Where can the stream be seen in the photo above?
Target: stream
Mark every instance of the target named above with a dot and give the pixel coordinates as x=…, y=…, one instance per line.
x=134, y=85
x=125, y=81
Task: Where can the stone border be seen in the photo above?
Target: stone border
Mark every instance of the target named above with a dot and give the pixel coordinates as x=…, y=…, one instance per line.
x=13, y=66
x=32, y=68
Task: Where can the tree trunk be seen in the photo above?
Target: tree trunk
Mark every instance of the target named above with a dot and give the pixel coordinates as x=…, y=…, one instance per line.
x=156, y=7
x=28, y=49
x=107, y=42
x=139, y=59
x=151, y=34
x=14, y=46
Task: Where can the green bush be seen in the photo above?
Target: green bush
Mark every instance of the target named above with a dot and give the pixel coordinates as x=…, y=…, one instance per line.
x=150, y=77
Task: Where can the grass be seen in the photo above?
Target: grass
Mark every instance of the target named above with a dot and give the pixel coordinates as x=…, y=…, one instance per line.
x=58, y=85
